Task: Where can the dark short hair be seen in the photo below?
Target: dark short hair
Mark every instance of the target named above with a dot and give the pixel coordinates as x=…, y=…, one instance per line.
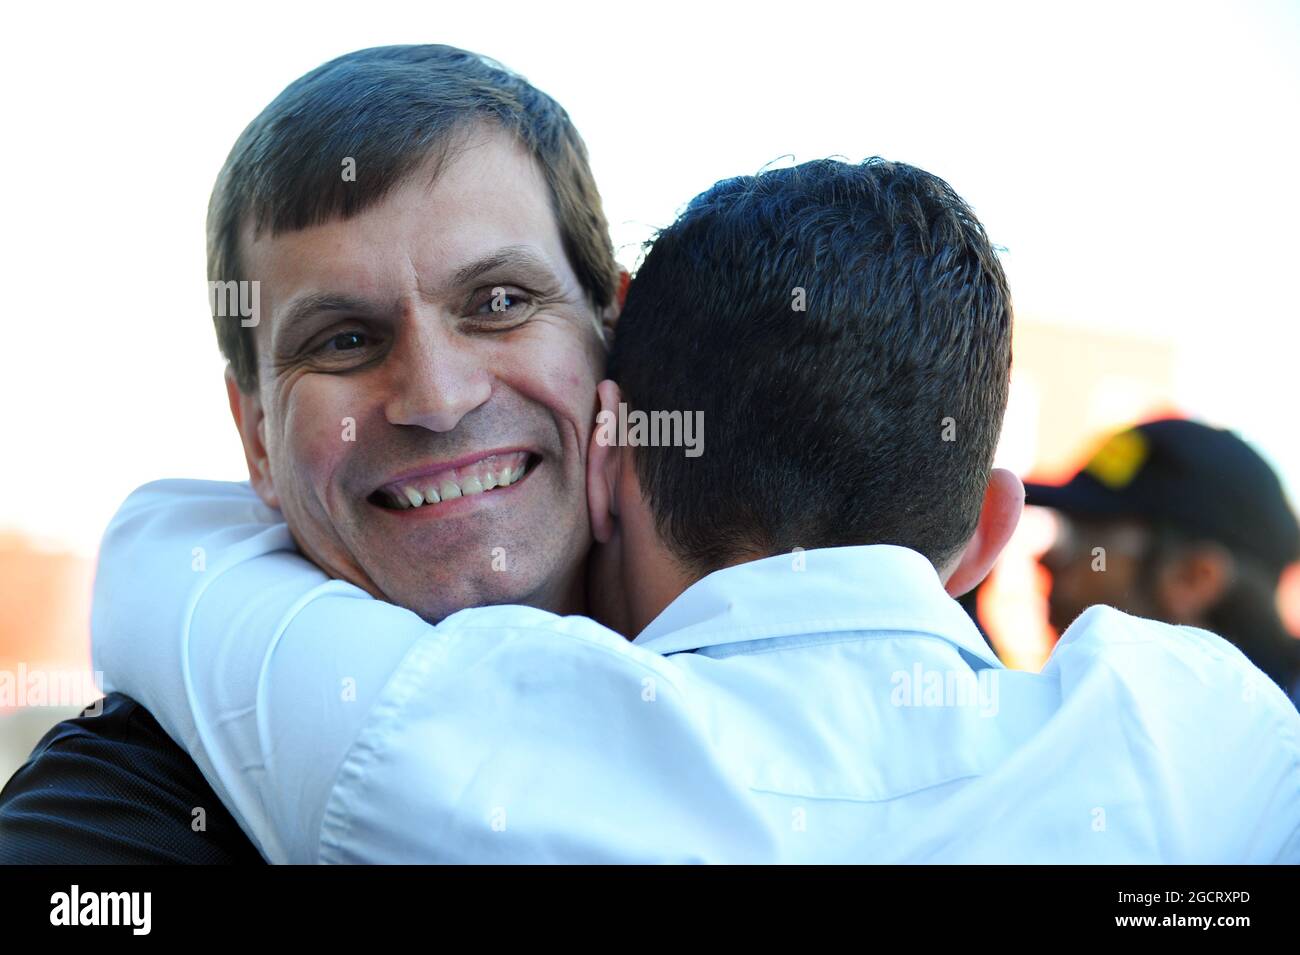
x=392, y=109
x=872, y=416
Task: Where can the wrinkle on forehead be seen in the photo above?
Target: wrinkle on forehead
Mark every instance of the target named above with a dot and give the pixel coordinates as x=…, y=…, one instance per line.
x=491, y=193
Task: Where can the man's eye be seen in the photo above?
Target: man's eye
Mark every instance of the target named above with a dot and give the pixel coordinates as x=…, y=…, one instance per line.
x=346, y=341
x=501, y=301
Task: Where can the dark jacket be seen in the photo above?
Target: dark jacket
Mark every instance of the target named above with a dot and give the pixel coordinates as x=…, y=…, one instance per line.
x=112, y=789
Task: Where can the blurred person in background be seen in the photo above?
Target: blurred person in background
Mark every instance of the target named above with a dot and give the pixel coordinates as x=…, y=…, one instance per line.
x=1181, y=522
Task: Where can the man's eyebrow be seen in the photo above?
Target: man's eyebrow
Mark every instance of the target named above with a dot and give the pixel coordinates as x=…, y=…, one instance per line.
x=511, y=256
x=318, y=302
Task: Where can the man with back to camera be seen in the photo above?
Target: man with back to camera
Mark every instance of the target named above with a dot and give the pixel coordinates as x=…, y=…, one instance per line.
x=791, y=693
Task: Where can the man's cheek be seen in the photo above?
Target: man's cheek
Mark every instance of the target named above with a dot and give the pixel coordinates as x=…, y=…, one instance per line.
x=573, y=391
x=313, y=446
x=566, y=363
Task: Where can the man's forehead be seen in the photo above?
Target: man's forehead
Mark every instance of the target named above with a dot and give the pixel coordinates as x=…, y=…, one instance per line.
x=489, y=198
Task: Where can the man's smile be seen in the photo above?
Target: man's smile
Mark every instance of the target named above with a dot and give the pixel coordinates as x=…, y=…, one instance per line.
x=438, y=486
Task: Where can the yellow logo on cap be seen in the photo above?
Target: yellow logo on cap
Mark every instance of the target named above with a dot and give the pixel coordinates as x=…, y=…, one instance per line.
x=1119, y=459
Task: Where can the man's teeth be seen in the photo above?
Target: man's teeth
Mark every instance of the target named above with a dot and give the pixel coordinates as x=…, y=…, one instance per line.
x=409, y=496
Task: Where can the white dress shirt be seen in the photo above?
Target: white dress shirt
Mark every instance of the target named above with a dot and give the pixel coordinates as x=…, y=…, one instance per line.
x=827, y=706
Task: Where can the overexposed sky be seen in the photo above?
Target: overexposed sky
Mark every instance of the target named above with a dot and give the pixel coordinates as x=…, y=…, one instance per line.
x=1137, y=161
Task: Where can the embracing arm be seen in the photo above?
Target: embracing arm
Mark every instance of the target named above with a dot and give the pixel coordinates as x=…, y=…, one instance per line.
x=246, y=653
x=337, y=727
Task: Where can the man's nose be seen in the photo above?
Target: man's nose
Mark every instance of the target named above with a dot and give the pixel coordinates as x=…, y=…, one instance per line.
x=439, y=378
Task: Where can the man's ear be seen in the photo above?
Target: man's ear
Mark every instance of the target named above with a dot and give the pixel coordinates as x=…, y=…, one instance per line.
x=604, y=461
x=1003, y=503
x=246, y=409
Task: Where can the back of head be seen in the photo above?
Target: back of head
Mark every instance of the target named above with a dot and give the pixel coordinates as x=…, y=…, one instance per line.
x=846, y=331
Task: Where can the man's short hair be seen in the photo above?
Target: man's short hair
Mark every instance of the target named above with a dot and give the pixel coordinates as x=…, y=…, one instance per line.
x=391, y=109
x=869, y=417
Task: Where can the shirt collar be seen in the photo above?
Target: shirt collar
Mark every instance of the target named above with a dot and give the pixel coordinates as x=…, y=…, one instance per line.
x=871, y=587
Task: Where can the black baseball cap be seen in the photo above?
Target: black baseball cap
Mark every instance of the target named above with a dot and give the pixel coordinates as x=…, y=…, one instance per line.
x=1205, y=481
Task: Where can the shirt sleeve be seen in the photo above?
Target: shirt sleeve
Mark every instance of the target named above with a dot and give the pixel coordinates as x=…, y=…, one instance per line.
x=340, y=728
x=246, y=653
x=1204, y=721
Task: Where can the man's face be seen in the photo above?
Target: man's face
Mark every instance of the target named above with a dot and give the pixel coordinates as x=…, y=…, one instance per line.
x=1096, y=562
x=436, y=347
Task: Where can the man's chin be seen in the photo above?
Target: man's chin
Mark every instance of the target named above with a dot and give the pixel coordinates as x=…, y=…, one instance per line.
x=436, y=599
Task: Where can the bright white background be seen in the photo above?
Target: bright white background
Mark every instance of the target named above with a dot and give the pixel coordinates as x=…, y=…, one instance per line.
x=1138, y=162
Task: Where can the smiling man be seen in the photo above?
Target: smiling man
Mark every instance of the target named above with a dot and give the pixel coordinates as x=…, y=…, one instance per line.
x=421, y=394
x=434, y=283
